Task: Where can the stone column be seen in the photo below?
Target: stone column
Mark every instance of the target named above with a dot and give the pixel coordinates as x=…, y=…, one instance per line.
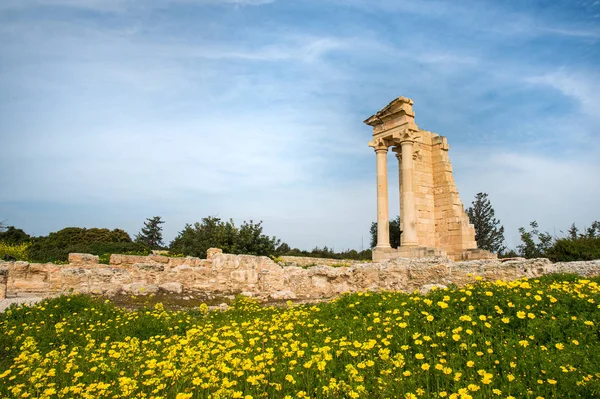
x=408, y=215
x=398, y=151
x=383, y=221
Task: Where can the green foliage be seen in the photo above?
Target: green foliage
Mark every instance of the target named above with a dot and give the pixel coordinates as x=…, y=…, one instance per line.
x=248, y=239
x=534, y=244
x=56, y=246
x=577, y=246
x=567, y=250
x=329, y=253
x=151, y=234
x=489, y=234
x=14, y=251
x=511, y=253
x=12, y=235
x=525, y=339
x=395, y=233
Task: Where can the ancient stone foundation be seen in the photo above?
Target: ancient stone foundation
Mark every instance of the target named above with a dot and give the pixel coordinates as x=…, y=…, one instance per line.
x=260, y=276
x=433, y=221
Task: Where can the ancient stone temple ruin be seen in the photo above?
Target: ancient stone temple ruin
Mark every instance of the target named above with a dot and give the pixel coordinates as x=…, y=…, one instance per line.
x=433, y=221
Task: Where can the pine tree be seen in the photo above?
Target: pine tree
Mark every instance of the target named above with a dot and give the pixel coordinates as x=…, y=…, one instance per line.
x=151, y=234
x=489, y=234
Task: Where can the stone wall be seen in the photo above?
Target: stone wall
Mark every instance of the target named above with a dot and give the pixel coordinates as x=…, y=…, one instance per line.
x=260, y=276
x=306, y=261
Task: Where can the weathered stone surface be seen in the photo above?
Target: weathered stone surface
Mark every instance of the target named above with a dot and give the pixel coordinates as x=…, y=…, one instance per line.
x=427, y=288
x=127, y=260
x=281, y=295
x=151, y=267
x=176, y=288
x=83, y=259
x=259, y=276
x=586, y=269
x=211, y=252
x=3, y=281
x=140, y=288
x=305, y=261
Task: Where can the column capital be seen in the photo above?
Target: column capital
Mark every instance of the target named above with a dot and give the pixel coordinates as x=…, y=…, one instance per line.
x=407, y=135
x=416, y=151
x=379, y=145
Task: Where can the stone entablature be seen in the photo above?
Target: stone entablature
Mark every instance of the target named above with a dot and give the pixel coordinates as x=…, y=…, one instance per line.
x=432, y=215
x=261, y=277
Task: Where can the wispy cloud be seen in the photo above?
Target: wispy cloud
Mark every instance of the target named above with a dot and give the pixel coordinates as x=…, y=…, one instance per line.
x=581, y=86
x=120, y=6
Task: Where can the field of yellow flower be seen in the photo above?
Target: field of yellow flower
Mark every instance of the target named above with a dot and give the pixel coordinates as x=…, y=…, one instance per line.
x=523, y=339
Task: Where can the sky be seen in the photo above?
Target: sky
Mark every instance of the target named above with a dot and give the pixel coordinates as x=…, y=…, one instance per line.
x=113, y=111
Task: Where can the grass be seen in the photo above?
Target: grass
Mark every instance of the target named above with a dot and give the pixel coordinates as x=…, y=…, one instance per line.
x=524, y=339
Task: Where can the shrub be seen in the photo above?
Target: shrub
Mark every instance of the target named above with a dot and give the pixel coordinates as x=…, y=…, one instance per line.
x=56, y=246
x=13, y=235
x=14, y=251
x=567, y=249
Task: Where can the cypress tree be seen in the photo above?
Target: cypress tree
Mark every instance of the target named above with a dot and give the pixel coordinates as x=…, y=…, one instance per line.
x=489, y=234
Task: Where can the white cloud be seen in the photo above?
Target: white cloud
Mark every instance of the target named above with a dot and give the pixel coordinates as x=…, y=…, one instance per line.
x=582, y=87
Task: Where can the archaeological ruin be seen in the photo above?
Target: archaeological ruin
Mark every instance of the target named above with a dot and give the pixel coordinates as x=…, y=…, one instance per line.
x=433, y=221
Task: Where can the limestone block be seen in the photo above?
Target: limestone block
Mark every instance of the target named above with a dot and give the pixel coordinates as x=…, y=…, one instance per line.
x=427, y=271
x=173, y=287
x=584, y=269
x=18, y=269
x=158, y=258
x=76, y=259
x=185, y=274
x=126, y=260
x=283, y=295
x=3, y=281
x=140, y=288
x=150, y=267
x=211, y=252
x=427, y=288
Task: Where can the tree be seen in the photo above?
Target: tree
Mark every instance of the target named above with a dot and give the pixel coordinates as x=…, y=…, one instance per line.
x=248, y=239
x=394, y=233
x=534, y=244
x=489, y=234
x=151, y=234
x=12, y=235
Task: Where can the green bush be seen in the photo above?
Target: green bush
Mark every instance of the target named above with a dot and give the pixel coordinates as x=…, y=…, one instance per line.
x=212, y=232
x=12, y=235
x=56, y=246
x=14, y=251
x=568, y=249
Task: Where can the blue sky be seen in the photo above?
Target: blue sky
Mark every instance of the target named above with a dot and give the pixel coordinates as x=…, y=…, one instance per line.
x=112, y=111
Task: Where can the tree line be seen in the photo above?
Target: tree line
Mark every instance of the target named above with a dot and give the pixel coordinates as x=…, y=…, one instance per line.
x=249, y=238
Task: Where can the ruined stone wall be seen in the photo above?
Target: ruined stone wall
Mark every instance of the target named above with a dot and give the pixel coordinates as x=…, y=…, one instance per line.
x=424, y=191
x=261, y=277
x=454, y=232
x=306, y=261
x=441, y=219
